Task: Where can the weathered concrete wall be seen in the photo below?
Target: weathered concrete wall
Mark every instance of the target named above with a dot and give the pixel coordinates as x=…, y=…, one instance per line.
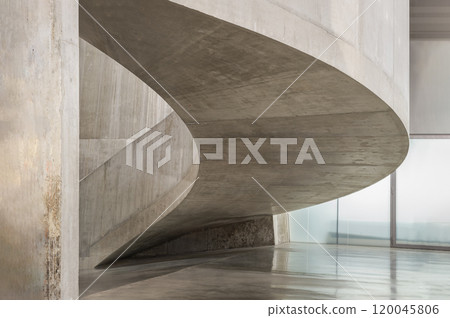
x=258, y=231
x=373, y=44
x=39, y=144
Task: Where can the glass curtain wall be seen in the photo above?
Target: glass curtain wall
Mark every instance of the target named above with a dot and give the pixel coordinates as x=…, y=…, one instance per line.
x=361, y=218
x=423, y=194
x=422, y=206
x=364, y=216
x=320, y=221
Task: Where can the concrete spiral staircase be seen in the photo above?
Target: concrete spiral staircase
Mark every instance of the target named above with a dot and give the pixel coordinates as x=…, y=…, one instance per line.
x=208, y=69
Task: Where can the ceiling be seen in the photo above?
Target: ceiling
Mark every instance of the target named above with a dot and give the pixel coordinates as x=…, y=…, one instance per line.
x=430, y=19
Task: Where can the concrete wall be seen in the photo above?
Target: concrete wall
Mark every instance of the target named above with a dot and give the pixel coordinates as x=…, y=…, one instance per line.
x=39, y=144
x=117, y=202
x=114, y=106
x=430, y=82
x=373, y=49
x=281, y=230
x=252, y=233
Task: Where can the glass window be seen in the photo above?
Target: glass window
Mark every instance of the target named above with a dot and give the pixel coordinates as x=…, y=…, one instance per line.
x=320, y=221
x=423, y=194
x=364, y=216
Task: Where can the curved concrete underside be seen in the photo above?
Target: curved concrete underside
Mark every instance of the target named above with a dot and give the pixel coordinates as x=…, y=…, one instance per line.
x=225, y=77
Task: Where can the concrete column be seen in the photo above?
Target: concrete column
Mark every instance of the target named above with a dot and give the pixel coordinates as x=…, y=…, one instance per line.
x=281, y=233
x=39, y=131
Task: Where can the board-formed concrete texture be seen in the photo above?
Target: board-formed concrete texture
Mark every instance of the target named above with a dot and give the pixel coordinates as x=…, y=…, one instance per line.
x=39, y=149
x=219, y=77
x=116, y=198
x=370, y=39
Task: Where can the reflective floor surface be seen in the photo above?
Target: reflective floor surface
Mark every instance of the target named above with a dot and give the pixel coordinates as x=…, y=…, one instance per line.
x=290, y=271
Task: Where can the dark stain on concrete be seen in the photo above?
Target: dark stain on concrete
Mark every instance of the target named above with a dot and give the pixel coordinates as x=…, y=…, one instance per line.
x=52, y=221
x=252, y=233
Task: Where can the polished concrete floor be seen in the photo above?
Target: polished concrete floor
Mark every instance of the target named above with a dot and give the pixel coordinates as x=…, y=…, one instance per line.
x=290, y=271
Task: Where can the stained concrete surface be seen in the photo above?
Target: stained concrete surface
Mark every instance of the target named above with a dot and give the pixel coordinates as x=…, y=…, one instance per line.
x=39, y=149
x=225, y=76
x=259, y=231
x=288, y=271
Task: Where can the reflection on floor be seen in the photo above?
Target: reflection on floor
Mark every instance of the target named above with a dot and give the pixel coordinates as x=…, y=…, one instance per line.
x=290, y=271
